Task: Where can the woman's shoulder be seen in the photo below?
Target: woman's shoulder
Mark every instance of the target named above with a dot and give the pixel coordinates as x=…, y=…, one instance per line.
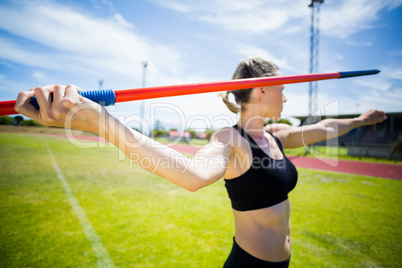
x=227, y=135
x=280, y=131
x=224, y=133
x=275, y=128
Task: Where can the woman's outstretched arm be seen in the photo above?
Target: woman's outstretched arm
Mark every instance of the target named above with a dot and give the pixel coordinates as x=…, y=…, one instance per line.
x=293, y=137
x=62, y=106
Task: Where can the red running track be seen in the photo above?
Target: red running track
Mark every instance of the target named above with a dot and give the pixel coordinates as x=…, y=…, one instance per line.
x=389, y=171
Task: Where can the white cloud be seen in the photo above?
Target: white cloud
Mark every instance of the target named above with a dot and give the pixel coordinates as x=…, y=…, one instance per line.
x=377, y=84
x=118, y=18
x=339, y=56
x=17, y=53
x=98, y=4
x=338, y=18
x=247, y=51
x=256, y=17
x=297, y=103
x=256, y=21
x=209, y=5
x=82, y=42
x=6, y=84
x=386, y=100
x=356, y=44
x=41, y=76
x=175, y=5
x=392, y=72
x=5, y=63
x=343, y=18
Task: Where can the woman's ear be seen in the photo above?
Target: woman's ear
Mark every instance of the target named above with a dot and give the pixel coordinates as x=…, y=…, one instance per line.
x=261, y=92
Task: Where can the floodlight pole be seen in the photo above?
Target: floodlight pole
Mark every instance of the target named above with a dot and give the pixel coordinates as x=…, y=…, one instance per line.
x=145, y=65
x=314, y=58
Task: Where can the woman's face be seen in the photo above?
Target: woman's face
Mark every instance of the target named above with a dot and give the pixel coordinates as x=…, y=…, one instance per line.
x=274, y=100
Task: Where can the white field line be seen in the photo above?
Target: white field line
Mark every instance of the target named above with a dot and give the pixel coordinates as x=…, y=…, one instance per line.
x=99, y=249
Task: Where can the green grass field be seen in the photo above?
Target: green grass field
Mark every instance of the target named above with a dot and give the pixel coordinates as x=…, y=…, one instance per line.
x=143, y=221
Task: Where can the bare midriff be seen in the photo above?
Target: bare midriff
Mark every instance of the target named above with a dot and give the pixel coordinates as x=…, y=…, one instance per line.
x=265, y=233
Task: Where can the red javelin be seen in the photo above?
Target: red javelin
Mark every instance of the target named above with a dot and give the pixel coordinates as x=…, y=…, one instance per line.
x=110, y=97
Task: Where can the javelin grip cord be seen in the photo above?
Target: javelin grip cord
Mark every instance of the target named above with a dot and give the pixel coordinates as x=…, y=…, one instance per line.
x=104, y=97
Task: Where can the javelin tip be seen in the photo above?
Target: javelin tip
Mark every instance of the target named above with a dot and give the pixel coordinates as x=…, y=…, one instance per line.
x=358, y=73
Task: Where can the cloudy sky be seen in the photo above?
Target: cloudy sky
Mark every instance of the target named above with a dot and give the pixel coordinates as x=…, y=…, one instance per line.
x=82, y=42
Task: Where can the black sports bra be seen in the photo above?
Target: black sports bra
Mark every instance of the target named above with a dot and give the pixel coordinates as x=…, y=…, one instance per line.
x=266, y=183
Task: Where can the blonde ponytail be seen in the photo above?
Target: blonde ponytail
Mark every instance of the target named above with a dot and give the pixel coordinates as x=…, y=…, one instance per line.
x=231, y=106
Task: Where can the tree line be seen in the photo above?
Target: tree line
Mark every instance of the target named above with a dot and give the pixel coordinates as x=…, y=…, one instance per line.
x=18, y=121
